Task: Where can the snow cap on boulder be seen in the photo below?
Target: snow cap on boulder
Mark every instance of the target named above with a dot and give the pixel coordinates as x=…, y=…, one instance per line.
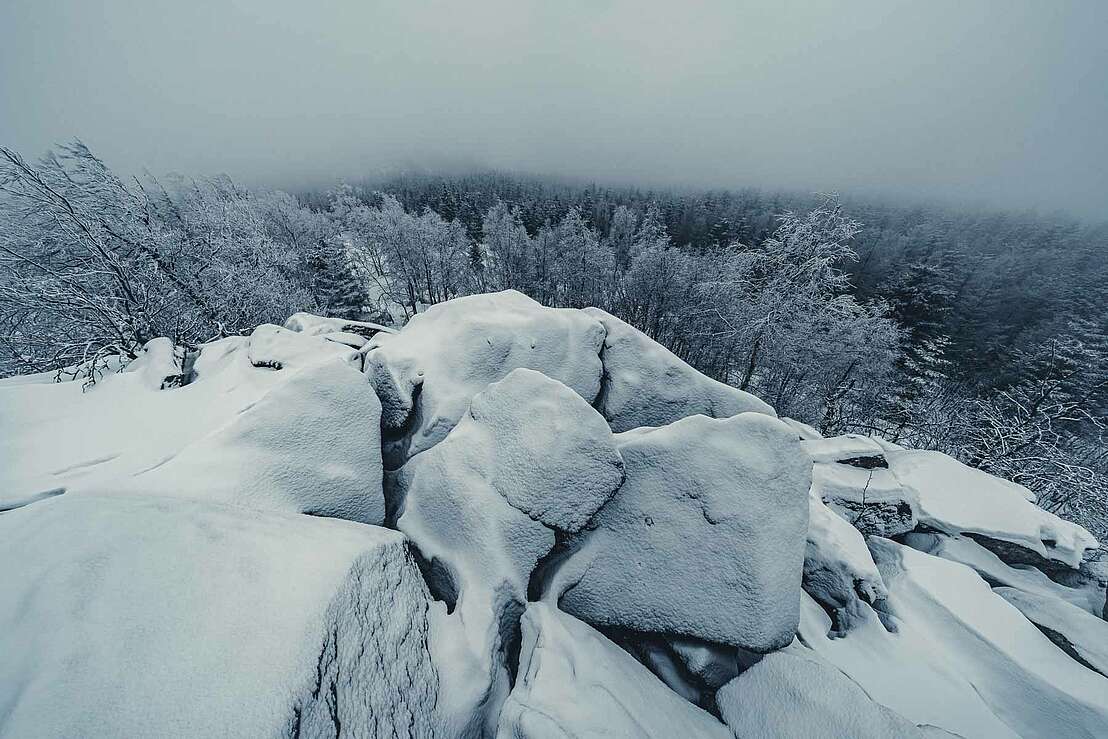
x=573, y=682
x=164, y=617
x=427, y=373
x=838, y=570
x=957, y=499
x=793, y=694
x=648, y=385
x=704, y=539
x=531, y=457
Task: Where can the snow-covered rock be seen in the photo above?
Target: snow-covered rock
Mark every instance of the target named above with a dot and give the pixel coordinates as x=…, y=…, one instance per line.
x=957, y=499
x=310, y=445
x=645, y=384
x=872, y=500
x=793, y=694
x=530, y=458
x=279, y=348
x=318, y=430
x=907, y=671
x=1088, y=595
x=161, y=617
x=1080, y=635
x=574, y=683
x=803, y=430
x=838, y=570
x=961, y=658
x=427, y=373
x=313, y=325
x=704, y=539
x=851, y=449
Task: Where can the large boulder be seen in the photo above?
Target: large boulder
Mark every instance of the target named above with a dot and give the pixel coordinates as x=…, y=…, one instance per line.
x=530, y=460
x=277, y=420
x=163, y=617
x=872, y=500
x=427, y=373
x=310, y=445
x=645, y=384
x=793, y=694
x=1077, y=633
x=956, y=499
x=574, y=683
x=704, y=539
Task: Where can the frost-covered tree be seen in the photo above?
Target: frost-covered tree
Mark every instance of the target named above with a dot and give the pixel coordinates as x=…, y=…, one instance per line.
x=507, y=246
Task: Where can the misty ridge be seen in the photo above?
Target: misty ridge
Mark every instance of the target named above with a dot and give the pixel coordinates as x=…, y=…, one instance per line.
x=982, y=335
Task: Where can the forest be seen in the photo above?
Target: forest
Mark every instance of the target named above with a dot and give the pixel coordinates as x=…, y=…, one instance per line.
x=981, y=334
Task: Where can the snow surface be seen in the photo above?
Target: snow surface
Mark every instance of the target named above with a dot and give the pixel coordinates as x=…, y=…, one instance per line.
x=302, y=438
x=956, y=499
x=159, y=577
x=426, y=374
x=794, y=694
x=482, y=506
x=838, y=570
x=161, y=617
x=313, y=325
x=872, y=500
x=648, y=385
x=961, y=658
x=573, y=682
x=847, y=446
x=704, y=539
x=998, y=573
x=1081, y=635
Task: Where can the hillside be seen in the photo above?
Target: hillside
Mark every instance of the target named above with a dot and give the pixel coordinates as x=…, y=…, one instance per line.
x=506, y=519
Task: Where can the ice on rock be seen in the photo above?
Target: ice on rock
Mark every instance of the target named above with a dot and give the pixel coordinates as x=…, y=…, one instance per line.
x=956, y=499
x=648, y=385
x=838, y=570
x=574, y=683
x=530, y=458
x=162, y=617
x=872, y=500
x=704, y=539
x=794, y=694
x=427, y=373
x=310, y=445
x=1079, y=634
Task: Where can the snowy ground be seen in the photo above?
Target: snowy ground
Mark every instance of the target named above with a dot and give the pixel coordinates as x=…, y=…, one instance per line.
x=508, y=520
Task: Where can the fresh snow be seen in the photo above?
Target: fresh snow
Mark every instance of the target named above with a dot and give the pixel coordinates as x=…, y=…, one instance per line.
x=957, y=499
x=160, y=576
x=704, y=539
x=1082, y=636
x=573, y=682
x=794, y=694
x=160, y=617
x=426, y=374
x=647, y=385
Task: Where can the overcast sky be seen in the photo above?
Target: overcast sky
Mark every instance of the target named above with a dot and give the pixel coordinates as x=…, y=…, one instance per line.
x=1001, y=102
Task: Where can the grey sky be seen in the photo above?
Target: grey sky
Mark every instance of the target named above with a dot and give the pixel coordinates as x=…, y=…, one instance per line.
x=986, y=101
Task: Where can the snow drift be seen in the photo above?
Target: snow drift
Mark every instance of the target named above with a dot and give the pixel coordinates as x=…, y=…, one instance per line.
x=591, y=539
